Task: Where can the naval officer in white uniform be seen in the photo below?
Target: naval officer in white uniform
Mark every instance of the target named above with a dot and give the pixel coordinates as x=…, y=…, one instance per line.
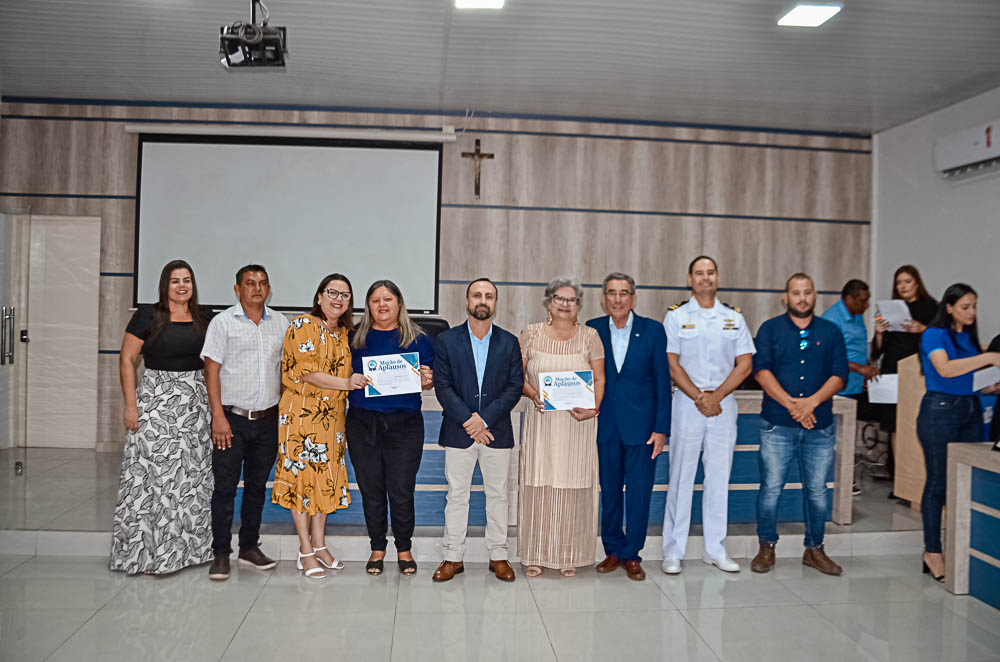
x=710, y=351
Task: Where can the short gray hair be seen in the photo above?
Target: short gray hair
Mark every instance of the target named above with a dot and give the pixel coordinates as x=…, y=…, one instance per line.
x=558, y=283
x=617, y=275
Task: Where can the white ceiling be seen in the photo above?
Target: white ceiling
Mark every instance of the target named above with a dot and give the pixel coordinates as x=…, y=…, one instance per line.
x=877, y=64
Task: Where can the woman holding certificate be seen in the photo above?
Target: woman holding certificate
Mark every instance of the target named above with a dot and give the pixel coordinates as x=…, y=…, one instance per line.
x=564, y=377
x=310, y=478
x=385, y=429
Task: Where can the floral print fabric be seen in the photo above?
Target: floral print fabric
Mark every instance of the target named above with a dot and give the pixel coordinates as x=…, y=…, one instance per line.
x=163, y=516
x=311, y=473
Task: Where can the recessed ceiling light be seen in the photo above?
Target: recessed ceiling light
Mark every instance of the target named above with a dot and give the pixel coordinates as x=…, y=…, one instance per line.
x=808, y=16
x=479, y=4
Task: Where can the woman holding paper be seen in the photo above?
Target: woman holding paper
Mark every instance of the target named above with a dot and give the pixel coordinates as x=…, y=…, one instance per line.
x=894, y=346
x=385, y=429
x=310, y=478
x=558, y=500
x=950, y=410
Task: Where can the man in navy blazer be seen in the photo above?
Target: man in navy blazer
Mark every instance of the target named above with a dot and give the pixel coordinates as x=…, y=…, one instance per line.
x=633, y=424
x=478, y=379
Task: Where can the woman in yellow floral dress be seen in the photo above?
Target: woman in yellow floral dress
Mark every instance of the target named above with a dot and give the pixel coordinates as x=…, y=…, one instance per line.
x=310, y=478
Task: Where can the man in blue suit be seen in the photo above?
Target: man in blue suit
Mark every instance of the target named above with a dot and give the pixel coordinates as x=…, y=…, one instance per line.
x=633, y=424
x=478, y=379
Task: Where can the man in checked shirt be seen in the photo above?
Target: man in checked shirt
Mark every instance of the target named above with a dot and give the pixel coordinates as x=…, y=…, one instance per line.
x=242, y=355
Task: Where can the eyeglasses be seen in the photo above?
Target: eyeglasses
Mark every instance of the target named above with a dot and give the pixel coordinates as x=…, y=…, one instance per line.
x=334, y=294
x=615, y=294
x=803, y=339
x=565, y=301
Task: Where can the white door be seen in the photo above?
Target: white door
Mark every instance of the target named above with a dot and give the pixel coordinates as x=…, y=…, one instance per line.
x=63, y=282
x=13, y=314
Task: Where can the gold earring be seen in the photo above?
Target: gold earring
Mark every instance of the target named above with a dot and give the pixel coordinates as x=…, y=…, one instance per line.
x=548, y=317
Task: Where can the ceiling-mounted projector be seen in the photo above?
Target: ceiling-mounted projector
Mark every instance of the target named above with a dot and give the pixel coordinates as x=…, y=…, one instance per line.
x=252, y=46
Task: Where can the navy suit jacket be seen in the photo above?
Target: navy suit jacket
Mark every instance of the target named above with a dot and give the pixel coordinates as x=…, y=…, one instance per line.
x=457, y=388
x=636, y=400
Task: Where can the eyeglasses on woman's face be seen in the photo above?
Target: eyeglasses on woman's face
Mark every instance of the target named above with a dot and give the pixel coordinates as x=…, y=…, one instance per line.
x=565, y=301
x=333, y=295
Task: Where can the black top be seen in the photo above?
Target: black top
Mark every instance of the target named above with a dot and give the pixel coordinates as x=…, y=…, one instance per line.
x=897, y=345
x=995, y=427
x=177, y=348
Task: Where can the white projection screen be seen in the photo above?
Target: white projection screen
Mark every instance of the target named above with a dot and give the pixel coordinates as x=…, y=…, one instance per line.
x=303, y=208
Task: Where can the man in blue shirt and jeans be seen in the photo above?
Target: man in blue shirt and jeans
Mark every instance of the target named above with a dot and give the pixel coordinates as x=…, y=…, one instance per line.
x=801, y=363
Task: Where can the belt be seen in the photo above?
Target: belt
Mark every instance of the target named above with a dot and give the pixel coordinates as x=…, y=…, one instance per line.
x=252, y=415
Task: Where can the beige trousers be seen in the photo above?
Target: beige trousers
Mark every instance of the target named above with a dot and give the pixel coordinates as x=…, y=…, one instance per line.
x=459, y=463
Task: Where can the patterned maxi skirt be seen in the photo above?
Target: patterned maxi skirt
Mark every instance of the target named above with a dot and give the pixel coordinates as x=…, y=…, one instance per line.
x=163, y=517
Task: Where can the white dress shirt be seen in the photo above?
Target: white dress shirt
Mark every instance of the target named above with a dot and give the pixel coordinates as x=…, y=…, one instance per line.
x=707, y=340
x=250, y=355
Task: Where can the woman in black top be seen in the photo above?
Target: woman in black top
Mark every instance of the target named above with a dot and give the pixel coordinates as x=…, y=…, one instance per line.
x=163, y=517
x=894, y=346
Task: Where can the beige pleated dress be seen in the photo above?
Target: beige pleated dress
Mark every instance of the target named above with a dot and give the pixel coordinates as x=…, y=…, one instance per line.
x=558, y=494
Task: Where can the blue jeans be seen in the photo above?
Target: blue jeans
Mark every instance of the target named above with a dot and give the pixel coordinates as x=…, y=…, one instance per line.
x=779, y=446
x=943, y=419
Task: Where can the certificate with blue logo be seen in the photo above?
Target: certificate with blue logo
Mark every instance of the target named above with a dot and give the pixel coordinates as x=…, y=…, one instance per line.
x=567, y=390
x=392, y=374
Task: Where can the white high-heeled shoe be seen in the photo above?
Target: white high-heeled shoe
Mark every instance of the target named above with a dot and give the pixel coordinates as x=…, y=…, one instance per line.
x=312, y=573
x=336, y=565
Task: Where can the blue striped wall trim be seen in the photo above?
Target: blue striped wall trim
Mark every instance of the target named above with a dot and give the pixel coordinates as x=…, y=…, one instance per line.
x=117, y=274
x=510, y=132
x=109, y=351
x=984, y=582
x=669, y=214
x=83, y=196
x=425, y=111
x=985, y=488
x=984, y=534
x=673, y=288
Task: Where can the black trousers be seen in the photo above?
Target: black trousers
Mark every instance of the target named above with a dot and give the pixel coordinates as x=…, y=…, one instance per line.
x=253, y=451
x=385, y=450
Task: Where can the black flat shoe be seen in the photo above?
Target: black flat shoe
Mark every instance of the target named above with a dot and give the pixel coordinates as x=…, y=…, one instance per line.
x=375, y=567
x=407, y=567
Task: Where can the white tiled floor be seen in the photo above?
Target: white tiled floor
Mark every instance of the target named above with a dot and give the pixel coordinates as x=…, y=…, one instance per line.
x=883, y=608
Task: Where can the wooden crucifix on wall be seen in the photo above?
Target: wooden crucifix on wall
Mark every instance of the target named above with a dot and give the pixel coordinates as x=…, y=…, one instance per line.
x=478, y=156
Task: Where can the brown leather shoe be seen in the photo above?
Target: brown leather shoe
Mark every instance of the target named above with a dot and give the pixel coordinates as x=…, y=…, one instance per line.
x=764, y=560
x=447, y=570
x=634, y=570
x=502, y=570
x=256, y=558
x=817, y=558
x=609, y=564
x=219, y=570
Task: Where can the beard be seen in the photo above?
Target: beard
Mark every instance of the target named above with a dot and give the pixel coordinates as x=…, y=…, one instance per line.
x=481, y=312
x=801, y=314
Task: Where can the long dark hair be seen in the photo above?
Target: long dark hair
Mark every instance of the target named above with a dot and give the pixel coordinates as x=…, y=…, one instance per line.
x=408, y=329
x=161, y=309
x=910, y=270
x=942, y=319
x=346, y=320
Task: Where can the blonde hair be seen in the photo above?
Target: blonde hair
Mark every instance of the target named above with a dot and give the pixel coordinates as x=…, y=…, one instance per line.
x=408, y=329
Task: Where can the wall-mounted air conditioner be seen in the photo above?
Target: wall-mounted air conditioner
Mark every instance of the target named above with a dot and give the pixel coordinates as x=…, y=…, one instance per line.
x=969, y=153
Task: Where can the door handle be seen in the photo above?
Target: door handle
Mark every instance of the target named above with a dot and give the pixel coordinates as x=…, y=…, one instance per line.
x=10, y=338
x=3, y=336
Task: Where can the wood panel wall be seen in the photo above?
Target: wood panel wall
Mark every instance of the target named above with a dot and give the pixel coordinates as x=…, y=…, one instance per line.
x=560, y=197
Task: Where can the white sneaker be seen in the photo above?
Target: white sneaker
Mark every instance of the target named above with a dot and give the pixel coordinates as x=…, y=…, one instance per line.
x=672, y=566
x=724, y=563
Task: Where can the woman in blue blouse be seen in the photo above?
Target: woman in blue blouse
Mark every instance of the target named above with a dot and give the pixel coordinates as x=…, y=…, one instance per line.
x=950, y=411
x=385, y=434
